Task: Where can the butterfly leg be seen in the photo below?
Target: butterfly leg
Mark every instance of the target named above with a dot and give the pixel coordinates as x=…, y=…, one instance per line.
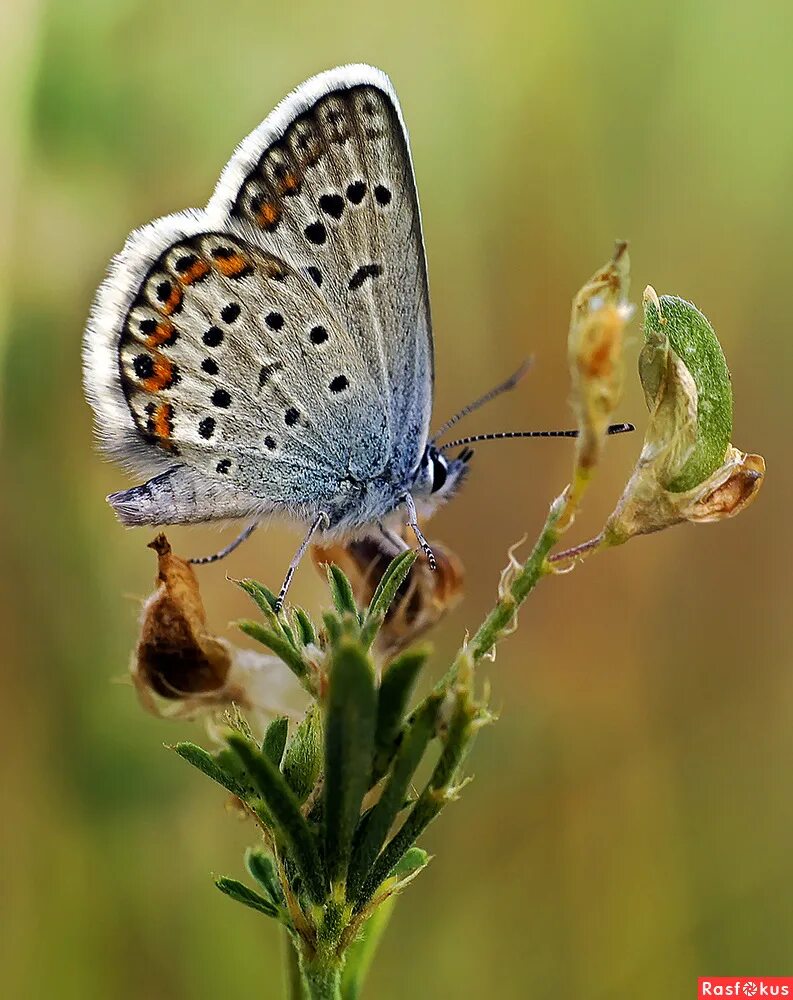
x=321, y=517
x=410, y=506
x=246, y=533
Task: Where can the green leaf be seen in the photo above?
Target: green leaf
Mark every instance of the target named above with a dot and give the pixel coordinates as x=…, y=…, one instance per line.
x=411, y=861
x=242, y=894
x=682, y=326
x=285, y=811
x=303, y=759
x=384, y=594
x=264, y=599
x=305, y=628
x=275, y=739
x=391, y=801
x=341, y=591
x=361, y=951
x=210, y=766
x=280, y=645
x=349, y=745
x=262, y=867
x=396, y=688
x=230, y=763
x=432, y=799
x=333, y=629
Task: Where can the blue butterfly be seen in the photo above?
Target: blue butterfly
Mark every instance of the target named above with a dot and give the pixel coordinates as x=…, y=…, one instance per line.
x=272, y=353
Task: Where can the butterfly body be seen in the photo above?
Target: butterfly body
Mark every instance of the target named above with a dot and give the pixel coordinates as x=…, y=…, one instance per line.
x=272, y=353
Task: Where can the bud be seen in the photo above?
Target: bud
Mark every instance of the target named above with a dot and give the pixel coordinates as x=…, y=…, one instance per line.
x=302, y=760
x=600, y=312
x=180, y=669
x=422, y=600
x=687, y=469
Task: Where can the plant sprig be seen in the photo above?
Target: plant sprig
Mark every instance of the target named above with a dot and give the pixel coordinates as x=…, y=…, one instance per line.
x=335, y=795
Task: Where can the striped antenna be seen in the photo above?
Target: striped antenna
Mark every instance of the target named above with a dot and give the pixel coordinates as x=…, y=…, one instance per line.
x=502, y=435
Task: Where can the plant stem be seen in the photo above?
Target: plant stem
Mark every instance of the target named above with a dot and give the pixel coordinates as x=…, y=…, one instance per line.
x=526, y=578
x=293, y=981
x=322, y=978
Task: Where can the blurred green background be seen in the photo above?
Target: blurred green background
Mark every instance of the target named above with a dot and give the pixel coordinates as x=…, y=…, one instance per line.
x=631, y=820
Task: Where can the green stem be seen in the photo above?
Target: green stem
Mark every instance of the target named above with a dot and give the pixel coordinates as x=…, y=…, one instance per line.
x=498, y=622
x=322, y=978
x=292, y=977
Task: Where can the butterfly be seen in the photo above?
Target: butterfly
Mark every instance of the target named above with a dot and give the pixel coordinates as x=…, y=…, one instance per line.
x=272, y=353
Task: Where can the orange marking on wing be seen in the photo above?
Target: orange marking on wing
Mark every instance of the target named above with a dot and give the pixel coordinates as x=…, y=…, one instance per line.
x=162, y=421
x=194, y=272
x=231, y=266
x=162, y=377
x=173, y=301
x=268, y=214
x=161, y=335
x=289, y=183
x=274, y=269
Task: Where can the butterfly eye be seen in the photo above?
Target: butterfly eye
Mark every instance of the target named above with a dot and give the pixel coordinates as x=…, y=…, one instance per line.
x=439, y=472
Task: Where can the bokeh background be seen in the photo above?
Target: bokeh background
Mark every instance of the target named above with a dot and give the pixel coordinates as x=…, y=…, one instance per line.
x=630, y=823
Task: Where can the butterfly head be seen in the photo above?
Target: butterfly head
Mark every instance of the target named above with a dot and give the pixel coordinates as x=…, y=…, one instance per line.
x=439, y=477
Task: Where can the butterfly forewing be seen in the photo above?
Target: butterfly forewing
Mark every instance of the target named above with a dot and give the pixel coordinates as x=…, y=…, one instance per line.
x=335, y=196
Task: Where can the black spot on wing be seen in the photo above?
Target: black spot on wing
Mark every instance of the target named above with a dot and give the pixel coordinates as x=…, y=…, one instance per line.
x=332, y=204
x=364, y=272
x=143, y=365
x=213, y=337
x=316, y=233
x=356, y=192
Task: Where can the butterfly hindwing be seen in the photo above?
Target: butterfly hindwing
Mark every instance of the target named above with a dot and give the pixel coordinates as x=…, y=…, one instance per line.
x=231, y=362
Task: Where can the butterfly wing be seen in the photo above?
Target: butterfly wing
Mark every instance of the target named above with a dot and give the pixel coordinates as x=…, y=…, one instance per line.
x=327, y=183
x=271, y=362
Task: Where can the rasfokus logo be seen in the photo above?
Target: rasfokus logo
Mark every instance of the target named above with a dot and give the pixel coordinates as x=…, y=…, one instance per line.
x=756, y=986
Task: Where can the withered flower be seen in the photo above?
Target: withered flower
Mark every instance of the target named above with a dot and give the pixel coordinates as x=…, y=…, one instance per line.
x=422, y=600
x=181, y=669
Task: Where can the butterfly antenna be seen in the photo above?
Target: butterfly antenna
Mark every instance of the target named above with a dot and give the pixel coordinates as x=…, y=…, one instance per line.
x=510, y=383
x=501, y=435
